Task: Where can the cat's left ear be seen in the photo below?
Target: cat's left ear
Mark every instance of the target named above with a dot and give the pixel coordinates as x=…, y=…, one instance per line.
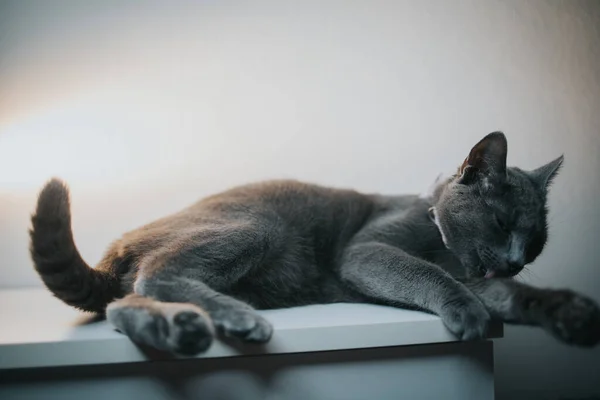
x=486, y=162
x=545, y=174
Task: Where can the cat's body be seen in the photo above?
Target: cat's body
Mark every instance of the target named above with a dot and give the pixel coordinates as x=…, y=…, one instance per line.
x=285, y=243
x=298, y=231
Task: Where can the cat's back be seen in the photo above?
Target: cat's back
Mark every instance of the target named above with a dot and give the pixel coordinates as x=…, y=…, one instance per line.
x=285, y=194
x=299, y=204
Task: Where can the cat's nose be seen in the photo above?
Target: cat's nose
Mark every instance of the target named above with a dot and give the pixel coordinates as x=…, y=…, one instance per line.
x=514, y=267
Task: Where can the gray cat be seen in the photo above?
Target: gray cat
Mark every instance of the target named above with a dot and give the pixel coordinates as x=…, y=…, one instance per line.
x=176, y=282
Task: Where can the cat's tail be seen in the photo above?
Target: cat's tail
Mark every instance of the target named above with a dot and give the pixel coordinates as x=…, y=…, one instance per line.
x=57, y=259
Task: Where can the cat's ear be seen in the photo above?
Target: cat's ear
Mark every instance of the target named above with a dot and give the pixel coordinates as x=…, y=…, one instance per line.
x=545, y=174
x=486, y=161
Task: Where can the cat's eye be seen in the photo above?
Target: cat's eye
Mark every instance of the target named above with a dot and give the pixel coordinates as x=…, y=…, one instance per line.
x=502, y=224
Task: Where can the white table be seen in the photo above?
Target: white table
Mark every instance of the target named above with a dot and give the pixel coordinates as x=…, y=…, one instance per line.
x=337, y=351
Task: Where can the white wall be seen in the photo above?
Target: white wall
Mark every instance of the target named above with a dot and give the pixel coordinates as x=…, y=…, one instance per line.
x=145, y=107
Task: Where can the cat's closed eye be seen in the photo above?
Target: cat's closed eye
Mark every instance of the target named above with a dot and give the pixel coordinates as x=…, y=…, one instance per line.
x=502, y=223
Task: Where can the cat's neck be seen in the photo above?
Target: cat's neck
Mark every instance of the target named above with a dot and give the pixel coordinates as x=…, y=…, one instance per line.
x=425, y=237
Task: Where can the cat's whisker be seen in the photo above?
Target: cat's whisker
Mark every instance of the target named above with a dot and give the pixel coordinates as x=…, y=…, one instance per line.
x=526, y=274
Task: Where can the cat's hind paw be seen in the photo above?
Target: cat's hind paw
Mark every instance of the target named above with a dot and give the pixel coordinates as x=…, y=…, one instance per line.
x=191, y=333
x=245, y=325
x=177, y=328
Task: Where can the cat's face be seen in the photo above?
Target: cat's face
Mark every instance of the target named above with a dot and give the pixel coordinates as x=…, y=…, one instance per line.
x=493, y=218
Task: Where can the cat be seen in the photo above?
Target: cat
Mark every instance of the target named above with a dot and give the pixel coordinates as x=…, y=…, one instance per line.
x=177, y=282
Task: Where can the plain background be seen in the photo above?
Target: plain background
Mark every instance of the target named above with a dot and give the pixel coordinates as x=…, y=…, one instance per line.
x=143, y=107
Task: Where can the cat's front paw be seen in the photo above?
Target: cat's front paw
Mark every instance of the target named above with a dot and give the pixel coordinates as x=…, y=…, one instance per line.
x=572, y=318
x=466, y=317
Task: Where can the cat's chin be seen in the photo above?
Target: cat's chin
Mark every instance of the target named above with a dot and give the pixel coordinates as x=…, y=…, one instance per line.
x=479, y=271
x=473, y=273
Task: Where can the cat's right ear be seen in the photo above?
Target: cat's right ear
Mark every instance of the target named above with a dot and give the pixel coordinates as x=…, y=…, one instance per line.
x=545, y=174
x=486, y=162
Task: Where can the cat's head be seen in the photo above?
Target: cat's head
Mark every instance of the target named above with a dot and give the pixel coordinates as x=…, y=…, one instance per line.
x=493, y=218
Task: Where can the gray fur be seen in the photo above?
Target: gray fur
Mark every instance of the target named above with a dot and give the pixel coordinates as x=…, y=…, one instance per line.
x=286, y=243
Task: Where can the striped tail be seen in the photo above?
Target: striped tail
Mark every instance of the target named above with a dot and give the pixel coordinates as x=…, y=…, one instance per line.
x=57, y=259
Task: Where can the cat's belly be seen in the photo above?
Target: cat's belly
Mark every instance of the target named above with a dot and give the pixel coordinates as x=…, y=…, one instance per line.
x=281, y=291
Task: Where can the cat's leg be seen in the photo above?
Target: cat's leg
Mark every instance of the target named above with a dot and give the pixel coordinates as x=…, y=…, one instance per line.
x=179, y=328
x=231, y=317
x=390, y=275
x=198, y=268
x=571, y=317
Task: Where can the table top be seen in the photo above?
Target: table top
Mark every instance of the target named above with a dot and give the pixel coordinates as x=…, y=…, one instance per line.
x=40, y=331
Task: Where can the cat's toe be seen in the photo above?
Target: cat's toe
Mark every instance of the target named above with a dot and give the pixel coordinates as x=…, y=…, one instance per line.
x=261, y=333
x=576, y=320
x=467, y=319
x=244, y=325
x=475, y=326
x=191, y=333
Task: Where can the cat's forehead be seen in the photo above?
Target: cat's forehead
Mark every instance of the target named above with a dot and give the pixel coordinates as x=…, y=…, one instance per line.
x=519, y=195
